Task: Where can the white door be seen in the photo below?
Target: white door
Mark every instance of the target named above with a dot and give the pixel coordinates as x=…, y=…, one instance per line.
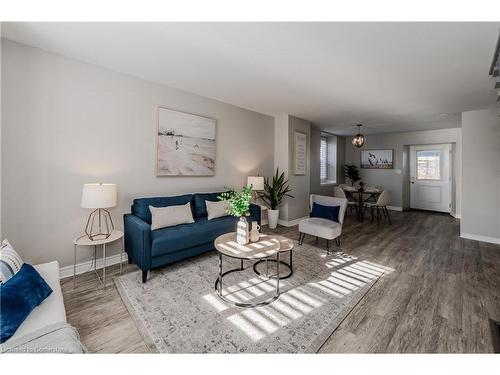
x=430, y=177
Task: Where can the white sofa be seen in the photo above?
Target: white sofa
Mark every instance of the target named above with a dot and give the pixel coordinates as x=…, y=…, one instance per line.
x=50, y=311
x=45, y=330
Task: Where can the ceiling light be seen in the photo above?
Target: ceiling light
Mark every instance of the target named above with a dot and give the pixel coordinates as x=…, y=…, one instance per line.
x=359, y=139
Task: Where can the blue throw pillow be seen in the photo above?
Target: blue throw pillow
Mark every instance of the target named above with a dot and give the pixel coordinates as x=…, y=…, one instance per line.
x=20, y=295
x=325, y=212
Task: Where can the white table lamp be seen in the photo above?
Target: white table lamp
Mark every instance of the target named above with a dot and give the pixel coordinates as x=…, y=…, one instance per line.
x=257, y=183
x=99, y=197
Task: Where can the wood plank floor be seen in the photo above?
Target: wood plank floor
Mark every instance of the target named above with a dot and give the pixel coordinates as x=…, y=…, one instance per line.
x=439, y=298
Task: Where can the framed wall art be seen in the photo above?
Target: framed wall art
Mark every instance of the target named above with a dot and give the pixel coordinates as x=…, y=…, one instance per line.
x=377, y=159
x=185, y=144
x=299, y=153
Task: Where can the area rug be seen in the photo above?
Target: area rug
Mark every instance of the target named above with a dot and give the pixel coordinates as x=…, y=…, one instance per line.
x=178, y=311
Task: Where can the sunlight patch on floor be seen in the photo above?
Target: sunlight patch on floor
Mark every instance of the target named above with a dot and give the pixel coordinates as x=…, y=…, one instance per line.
x=348, y=275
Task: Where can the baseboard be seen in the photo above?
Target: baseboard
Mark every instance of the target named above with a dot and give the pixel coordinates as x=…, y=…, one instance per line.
x=455, y=215
x=395, y=208
x=478, y=237
x=291, y=223
x=86, y=266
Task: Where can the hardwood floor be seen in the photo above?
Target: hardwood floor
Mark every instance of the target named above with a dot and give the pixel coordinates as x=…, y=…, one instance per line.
x=439, y=298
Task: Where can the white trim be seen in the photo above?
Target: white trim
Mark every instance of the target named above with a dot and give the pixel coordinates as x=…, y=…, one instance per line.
x=455, y=215
x=291, y=223
x=328, y=183
x=478, y=237
x=86, y=266
x=395, y=208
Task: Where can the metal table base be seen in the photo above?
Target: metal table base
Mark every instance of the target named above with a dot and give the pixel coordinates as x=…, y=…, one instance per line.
x=218, y=284
x=287, y=265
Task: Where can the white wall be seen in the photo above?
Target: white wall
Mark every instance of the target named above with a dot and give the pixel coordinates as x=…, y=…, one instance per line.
x=284, y=126
x=398, y=183
x=281, y=154
x=298, y=207
x=481, y=175
x=65, y=123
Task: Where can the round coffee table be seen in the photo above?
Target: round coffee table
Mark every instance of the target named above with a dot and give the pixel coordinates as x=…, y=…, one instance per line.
x=286, y=246
x=266, y=247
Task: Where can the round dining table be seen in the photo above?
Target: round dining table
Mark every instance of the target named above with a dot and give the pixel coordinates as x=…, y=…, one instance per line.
x=360, y=196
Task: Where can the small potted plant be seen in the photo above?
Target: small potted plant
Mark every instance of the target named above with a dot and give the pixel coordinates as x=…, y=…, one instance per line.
x=239, y=206
x=274, y=192
x=351, y=172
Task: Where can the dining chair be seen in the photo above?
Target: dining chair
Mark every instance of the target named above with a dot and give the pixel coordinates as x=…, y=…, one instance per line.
x=378, y=206
x=351, y=203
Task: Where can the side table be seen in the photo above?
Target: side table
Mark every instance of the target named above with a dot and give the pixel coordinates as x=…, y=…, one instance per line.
x=85, y=241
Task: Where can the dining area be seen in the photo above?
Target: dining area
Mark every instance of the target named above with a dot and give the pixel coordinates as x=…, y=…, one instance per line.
x=362, y=198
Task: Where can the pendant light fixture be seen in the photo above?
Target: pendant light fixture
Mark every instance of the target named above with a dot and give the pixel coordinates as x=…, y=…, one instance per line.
x=359, y=139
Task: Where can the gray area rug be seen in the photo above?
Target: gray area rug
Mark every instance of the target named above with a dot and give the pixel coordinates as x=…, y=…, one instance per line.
x=178, y=311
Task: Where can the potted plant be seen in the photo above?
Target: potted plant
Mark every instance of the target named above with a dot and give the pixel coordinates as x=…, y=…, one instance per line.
x=239, y=206
x=274, y=192
x=351, y=172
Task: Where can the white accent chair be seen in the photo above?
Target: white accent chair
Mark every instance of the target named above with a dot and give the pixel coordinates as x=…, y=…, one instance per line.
x=323, y=228
x=379, y=205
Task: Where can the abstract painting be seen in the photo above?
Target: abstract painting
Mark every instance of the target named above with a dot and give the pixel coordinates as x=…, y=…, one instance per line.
x=377, y=159
x=185, y=144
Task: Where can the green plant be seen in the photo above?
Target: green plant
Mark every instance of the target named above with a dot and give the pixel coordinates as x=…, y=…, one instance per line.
x=275, y=191
x=352, y=173
x=239, y=203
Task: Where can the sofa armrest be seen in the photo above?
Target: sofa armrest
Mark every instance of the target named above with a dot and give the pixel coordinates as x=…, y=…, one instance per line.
x=137, y=240
x=255, y=212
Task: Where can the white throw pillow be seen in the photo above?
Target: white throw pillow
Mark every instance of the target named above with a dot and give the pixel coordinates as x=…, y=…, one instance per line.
x=217, y=209
x=10, y=261
x=162, y=217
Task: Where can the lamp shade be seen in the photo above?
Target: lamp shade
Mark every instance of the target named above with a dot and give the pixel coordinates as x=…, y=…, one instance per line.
x=99, y=195
x=257, y=182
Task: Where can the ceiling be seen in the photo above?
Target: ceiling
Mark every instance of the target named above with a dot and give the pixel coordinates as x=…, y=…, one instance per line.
x=388, y=76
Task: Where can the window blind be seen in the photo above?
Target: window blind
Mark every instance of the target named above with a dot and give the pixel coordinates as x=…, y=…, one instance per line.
x=323, y=159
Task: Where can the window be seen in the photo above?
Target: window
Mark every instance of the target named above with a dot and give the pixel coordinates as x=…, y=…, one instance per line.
x=323, y=152
x=328, y=159
x=429, y=165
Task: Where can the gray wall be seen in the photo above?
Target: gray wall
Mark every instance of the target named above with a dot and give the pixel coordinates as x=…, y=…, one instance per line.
x=481, y=175
x=398, y=184
x=65, y=123
x=0, y=131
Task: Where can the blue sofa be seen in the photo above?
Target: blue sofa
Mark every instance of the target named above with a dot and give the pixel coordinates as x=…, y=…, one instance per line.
x=155, y=248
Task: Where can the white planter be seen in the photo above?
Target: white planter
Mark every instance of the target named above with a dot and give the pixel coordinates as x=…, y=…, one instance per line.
x=272, y=217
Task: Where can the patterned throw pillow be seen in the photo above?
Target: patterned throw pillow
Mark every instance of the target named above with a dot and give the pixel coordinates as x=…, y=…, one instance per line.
x=10, y=261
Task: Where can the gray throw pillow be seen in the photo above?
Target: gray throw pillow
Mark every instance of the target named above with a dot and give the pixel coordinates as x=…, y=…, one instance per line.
x=217, y=209
x=163, y=217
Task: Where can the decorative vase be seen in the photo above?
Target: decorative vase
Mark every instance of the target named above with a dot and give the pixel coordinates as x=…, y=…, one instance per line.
x=272, y=217
x=242, y=231
x=254, y=233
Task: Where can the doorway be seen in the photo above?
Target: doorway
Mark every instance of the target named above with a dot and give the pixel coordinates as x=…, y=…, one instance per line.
x=430, y=177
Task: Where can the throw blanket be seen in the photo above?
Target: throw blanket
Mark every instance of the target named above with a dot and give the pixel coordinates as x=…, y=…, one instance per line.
x=55, y=338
